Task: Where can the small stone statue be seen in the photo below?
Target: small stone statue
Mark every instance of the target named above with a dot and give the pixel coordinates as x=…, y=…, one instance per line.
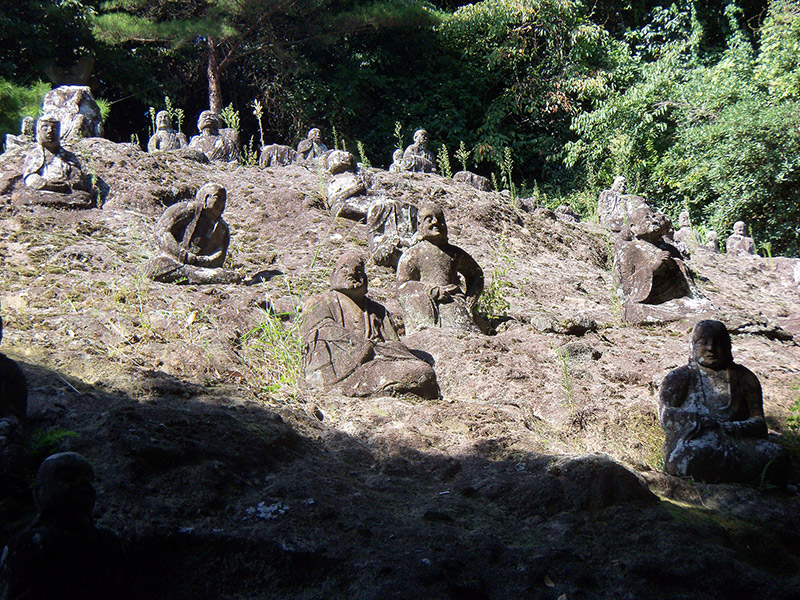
x=712, y=241
x=417, y=158
x=193, y=239
x=165, y=137
x=311, y=147
x=52, y=174
x=63, y=554
x=684, y=238
x=397, y=161
x=649, y=269
x=76, y=110
x=351, y=346
x=428, y=284
x=216, y=144
x=712, y=413
x=614, y=207
x=392, y=225
x=740, y=244
x=26, y=137
x=276, y=155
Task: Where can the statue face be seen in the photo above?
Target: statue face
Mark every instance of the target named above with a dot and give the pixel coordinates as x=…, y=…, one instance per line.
x=683, y=219
x=64, y=486
x=711, y=345
x=421, y=137
x=619, y=184
x=48, y=133
x=349, y=276
x=648, y=225
x=208, y=122
x=163, y=121
x=712, y=236
x=738, y=228
x=314, y=135
x=431, y=224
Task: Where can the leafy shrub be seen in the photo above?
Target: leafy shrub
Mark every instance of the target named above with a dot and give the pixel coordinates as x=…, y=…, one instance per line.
x=18, y=101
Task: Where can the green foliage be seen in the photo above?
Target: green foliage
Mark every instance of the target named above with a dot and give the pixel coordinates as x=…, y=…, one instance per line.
x=462, y=155
x=791, y=439
x=493, y=302
x=506, y=164
x=398, y=135
x=230, y=116
x=46, y=442
x=777, y=66
x=258, y=113
x=363, y=154
x=335, y=137
x=271, y=355
x=443, y=161
x=18, y=101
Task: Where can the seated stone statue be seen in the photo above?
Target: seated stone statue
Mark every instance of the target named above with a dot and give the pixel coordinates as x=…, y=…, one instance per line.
x=685, y=238
x=428, y=284
x=417, y=157
x=13, y=387
x=614, y=207
x=712, y=241
x=26, y=137
x=648, y=269
x=740, y=244
x=397, y=161
x=53, y=175
x=392, y=225
x=165, y=137
x=276, y=155
x=193, y=239
x=216, y=144
x=712, y=413
x=350, y=344
x=63, y=554
x=311, y=147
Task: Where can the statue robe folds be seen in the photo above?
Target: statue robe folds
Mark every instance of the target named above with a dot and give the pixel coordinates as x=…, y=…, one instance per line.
x=358, y=352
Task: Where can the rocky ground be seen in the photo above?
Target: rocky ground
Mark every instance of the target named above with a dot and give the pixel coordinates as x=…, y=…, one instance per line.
x=535, y=475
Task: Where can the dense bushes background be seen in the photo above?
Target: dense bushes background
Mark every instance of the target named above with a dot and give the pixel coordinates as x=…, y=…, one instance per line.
x=697, y=104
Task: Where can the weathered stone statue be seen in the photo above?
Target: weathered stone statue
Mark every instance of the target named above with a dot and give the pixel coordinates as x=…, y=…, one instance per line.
x=63, y=554
x=428, y=284
x=712, y=413
x=417, y=157
x=614, y=207
x=216, y=144
x=739, y=244
x=276, y=155
x=311, y=147
x=712, y=241
x=397, y=161
x=165, y=137
x=76, y=110
x=52, y=175
x=648, y=269
x=13, y=387
x=392, y=226
x=685, y=237
x=26, y=137
x=350, y=344
x=193, y=239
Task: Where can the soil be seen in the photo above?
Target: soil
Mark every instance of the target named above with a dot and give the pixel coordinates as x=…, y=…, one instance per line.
x=536, y=474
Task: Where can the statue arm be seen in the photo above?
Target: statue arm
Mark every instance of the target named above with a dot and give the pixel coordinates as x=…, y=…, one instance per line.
x=218, y=247
x=755, y=425
x=672, y=414
x=169, y=226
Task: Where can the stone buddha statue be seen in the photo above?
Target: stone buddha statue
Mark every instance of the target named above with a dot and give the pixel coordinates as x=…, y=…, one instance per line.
x=165, y=137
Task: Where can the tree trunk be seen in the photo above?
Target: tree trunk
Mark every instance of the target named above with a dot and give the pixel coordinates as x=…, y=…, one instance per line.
x=214, y=84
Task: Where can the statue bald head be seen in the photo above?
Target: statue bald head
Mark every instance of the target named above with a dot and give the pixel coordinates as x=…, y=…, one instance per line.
x=649, y=225
x=213, y=196
x=349, y=275
x=63, y=487
x=738, y=228
x=711, y=345
x=48, y=132
x=208, y=121
x=421, y=138
x=163, y=120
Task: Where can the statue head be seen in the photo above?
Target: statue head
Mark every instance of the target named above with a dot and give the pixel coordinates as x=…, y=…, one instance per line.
x=63, y=487
x=421, y=138
x=431, y=225
x=163, y=120
x=711, y=345
x=27, y=127
x=738, y=228
x=315, y=135
x=349, y=275
x=397, y=156
x=712, y=237
x=619, y=184
x=48, y=132
x=649, y=225
x=208, y=122
x=213, y=196
x=683, y=219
